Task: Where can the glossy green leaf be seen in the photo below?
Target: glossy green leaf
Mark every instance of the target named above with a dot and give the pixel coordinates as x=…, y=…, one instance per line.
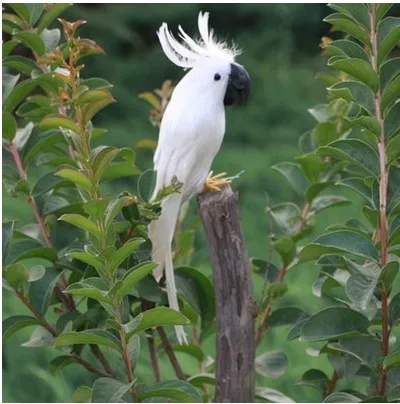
x=176, y=390
x=357, y=12
x=360, y=70
x=107, y=390
x=13, y=324
x=46, y=183
x=18, y=94
x=57, y=121
x=340, y=242
x=285, y=316
x=7, y=235
x=39, y=338
x=93, y=288
x=32, y=40
x=392, y=360
x=146, y=184
x=92, y=336
x=133, y=277
x=293, y=175
x=346, y=49
x=394, y=309
x=314, y=378
x=20, y=63
x=82, y=394
x=90, y=109
x=102, y=159
x=51, y=13
x=392, y=121
x=323, y=202
x=391, y=93
x=159, y=316
x=114, y=208
x=44, y=144
x=50, y=38
x=86, y=258
x=388, y=71
x=341, y=397
x=41, y=291
x=272, y=395
x=272, y=364
x=22, y=135
x=333, y=322
x=16, y=274
x=286, y=216
x=82, y=222
x=346, y=24
x=22, y=10
x=9, y=126
x=60, y=362
x=76, y=177
x=94, y=83
x=119, y=256
x=8, y=47
x=381, y=10
x=388, y=37
x=36, y=272
x=192, y=350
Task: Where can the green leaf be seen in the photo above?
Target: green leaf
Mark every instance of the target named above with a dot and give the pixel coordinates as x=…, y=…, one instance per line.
x=39, y=338
x=50, y=38
x=20, y=63
x=82, y=222
x=46, y=183
x=341, y=397
x=114, y=208
x=346, y=49
x=89, y=110
x=22, y=10
x=344, y=23
x=35, y=11
x=159, y=316
x=96, y=83
x=354, y=91
x=392, y=121
x=146, y=184
x=107, y=390
x=294, y=176
x=394, y=309
x=93, y=96
x=360, y=289
x=176, y=390
x=314, y=378
x=190, y=349
x=76, y=177
x=392, y=360
x=201, y=379
x=102, y=159
x=82, y=394
x=388, y=37
x=41, y=291
x=124, y=252
x=327, y=201
x=133, y=277
x=333, y=322
x=93, y=288
x=86, y=258
x=272, y=364
x=16, y=274
x=382, y=10
x=360, y=70
x=36, y=272
x=277, y=290
x=388, y=274
x=357, y=12
x=7, y=235
x=48, y=254
x=266, y=269
x=286, y=248
x=391, y=93
x=8, y=47
x=15, y=323
x=51, y=13
x=119, y=170
x=271, y=395
x=343, y=241
x=23, y=135
x=60, y=362
x=286, y=216
x=18, y=94
x=57, y=121
x=285, y=316
x=9, y=82
x=32, y=40
x=92, y=336
x=9, y=126
x=311, y=165
x=389, y=71
x=197, y=289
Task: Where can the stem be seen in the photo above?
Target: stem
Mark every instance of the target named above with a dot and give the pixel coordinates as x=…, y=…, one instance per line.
x=171, y=354
x=332, y=383
x=88, y=366
x=37, y=314
x=383, y=185
x=103, y=360
x=263, y=319
x=153, y=355
x=128, y=365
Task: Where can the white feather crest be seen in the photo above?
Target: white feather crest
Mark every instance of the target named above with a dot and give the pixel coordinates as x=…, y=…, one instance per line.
x=189, y=52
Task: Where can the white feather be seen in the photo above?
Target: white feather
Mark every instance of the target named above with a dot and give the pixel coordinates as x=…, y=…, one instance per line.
x=190, y=136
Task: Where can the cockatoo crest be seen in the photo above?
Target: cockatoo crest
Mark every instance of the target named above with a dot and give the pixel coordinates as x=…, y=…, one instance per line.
x=188, y=53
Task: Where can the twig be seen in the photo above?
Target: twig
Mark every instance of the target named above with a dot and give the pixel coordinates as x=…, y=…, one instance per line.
x=103, y=360
x=87, y=365
x=332, y=383
x=383, y=184
x=153, y=354
x=171, y=354
x=128, y=365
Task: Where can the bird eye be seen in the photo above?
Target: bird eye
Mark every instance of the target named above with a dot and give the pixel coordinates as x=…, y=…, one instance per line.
x=217, y=76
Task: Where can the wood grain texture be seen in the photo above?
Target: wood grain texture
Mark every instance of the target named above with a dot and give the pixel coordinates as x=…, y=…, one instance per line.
x=234, y=296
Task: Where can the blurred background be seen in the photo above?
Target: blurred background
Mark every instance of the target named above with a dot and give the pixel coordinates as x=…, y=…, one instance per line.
x=281, y=52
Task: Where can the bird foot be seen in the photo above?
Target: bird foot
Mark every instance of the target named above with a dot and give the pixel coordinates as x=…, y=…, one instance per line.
x=216, y=182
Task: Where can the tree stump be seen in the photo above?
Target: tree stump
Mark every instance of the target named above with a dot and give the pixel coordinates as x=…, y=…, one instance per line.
x=234, y=297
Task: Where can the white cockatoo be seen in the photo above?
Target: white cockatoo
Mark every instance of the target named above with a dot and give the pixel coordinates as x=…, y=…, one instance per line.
x=191, y=131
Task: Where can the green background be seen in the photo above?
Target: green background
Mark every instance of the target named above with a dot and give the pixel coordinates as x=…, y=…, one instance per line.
x=281, y=52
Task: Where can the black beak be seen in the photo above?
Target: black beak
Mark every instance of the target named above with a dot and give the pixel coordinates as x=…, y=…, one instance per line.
x=238, y=89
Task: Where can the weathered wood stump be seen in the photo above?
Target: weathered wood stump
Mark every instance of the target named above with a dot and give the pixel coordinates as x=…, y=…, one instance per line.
x=234, y=297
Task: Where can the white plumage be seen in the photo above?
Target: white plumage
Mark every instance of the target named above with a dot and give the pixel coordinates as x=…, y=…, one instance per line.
x=190, y=135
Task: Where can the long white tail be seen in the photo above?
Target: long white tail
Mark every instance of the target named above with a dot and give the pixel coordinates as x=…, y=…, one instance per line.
x=161, y=234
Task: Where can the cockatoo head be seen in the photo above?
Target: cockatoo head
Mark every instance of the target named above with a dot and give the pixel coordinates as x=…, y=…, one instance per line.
x=214, y=71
